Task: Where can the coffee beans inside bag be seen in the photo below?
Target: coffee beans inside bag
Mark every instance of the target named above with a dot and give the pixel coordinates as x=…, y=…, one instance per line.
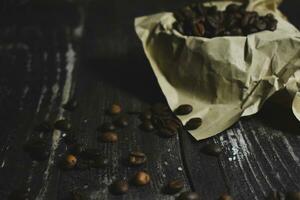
x=223, y=58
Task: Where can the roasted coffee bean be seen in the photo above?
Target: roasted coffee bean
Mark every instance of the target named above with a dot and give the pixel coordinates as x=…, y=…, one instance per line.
x=115, y=109
x=44, y=127
x=122, y=121
x=261, y=25
x=193, y=123
x=225, y=197
x=292, y=196
x=141, y=178
x=147, y=125
x=164, y=132
x=37, y=149
x=189, y=196
x=108, y=126
x=212, y=149
x=62, y=125
x=100, y=162
x=119, y=187
x=174, y=186
x=137, y=158
x=183, y=109
x=71, y=105
x=70, y=161
x=111, y=137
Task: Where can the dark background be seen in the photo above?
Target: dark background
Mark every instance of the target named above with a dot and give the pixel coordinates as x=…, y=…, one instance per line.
x=260, y=153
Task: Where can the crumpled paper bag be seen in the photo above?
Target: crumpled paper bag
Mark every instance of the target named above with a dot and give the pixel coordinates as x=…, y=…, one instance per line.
x=224, y=78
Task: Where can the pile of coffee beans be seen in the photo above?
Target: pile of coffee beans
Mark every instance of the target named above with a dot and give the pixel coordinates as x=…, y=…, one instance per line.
x=199, y=20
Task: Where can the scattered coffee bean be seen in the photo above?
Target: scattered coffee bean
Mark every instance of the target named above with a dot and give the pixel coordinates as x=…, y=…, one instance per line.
x=62, y=125
x=225, y=197
x=292, y=196
x=137, y=158
x=108, y=126
x=115, y=109
x=119, y=187
x=147, y=125
x=44, y=127
x=189, y=196
x=37, y=149
x=193, y=124
x=71, y=105
x=70, y=161
x=111, y=137
x=199, y=20
x=174, y=186
x=183, y=109
x=122, y=121
x=141, y=178
x=212, y=149
x=146, y=115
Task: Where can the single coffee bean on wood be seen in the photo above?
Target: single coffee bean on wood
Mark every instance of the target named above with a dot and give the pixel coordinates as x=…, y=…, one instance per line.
x=70, y=161
x=137, y=158
x=183, y=109
x=189, y=196
x=193, y=123
x=141, y=178
x=174, y=186
x=62, y=125
x=111, y=137
x=119, y=187
x=212, y=149
x=115, y=109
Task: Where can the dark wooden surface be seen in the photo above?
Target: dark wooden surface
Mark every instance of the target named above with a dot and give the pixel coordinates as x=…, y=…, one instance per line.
x=51, y=51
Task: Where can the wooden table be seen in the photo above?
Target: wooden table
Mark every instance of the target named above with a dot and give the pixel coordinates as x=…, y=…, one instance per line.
x=54, y=50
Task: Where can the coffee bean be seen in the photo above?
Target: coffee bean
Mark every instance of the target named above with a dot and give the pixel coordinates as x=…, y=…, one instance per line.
x=137, y=158
x=111, y=137
x=69, y=161
x=193, y=123
x=174, y=186
x=261, y=25
x=183, y=109
x=292, y=196
x=37, y=149
x=122, y=121
x=147, y=125
x=119, y=187
x=189, y=196
x=62, y=125
x=115, y=109
x=141, y=178
x=212, y=149
x=71, y=105
x=44, y=127
x=146, y=115
x=225, y=197
x=108, y=126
